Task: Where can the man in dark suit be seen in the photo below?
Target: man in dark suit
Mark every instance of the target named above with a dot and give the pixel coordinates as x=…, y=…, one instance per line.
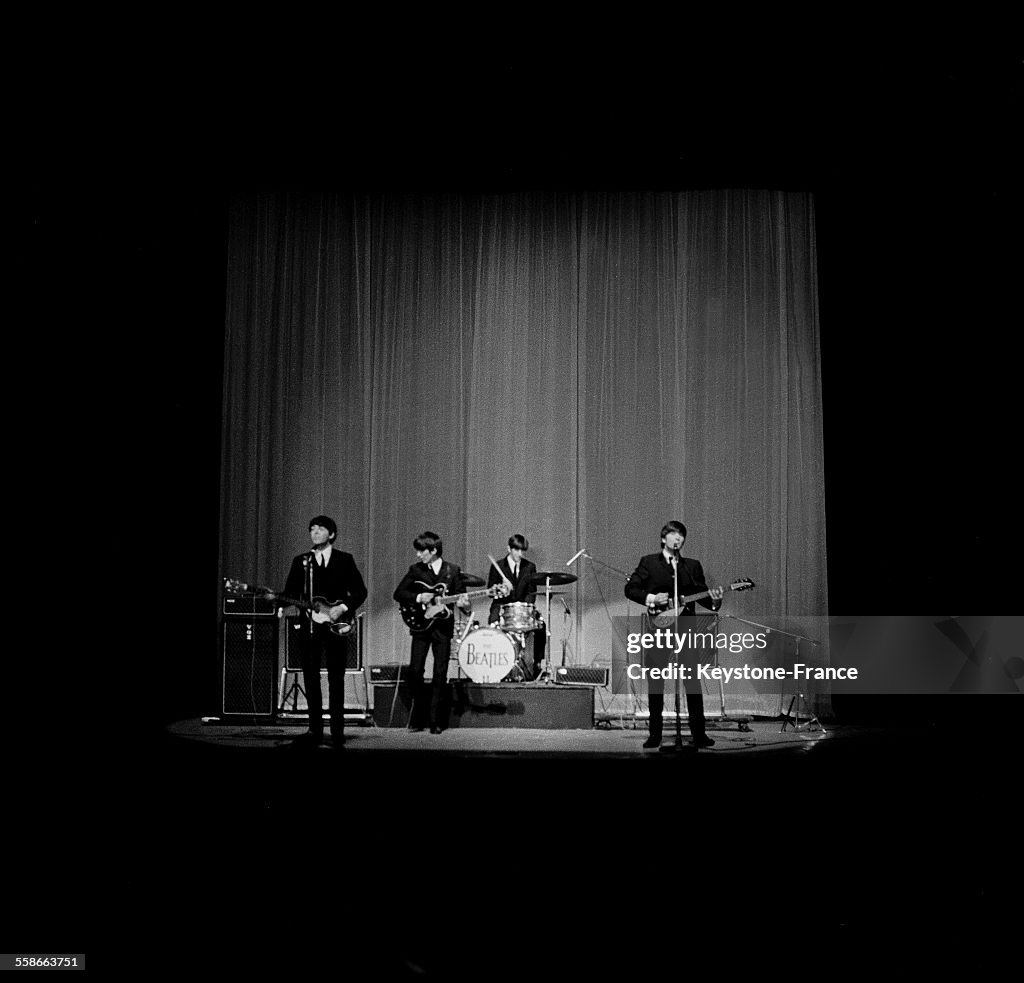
x=430, y=571
x=328, y=573
x=653, y=584
x=517, y=571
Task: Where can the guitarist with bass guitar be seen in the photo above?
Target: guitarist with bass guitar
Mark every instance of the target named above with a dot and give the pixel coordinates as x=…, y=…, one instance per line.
x=428, y=578
x=330, y=588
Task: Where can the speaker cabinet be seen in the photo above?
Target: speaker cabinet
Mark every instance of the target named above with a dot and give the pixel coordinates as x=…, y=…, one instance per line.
x=249, y=672
x=352, y=644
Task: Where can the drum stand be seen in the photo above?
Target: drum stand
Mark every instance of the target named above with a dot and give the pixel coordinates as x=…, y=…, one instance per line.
x=545, y=675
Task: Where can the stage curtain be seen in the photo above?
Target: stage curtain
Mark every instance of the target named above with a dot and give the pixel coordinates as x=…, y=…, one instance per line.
x=577, y=367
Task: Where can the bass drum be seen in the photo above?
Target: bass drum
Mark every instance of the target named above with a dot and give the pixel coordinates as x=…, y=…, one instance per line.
x=487, y=655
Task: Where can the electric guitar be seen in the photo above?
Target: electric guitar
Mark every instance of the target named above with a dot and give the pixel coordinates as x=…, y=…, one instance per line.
x=420, y=616
x=320, y=609
x=663, y=618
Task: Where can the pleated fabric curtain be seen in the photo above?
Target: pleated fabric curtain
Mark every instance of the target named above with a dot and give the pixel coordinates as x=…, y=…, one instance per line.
x=575, y=367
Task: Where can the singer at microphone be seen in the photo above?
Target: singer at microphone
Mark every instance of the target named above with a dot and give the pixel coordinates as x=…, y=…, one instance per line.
x=337, y=579
x=653, y=584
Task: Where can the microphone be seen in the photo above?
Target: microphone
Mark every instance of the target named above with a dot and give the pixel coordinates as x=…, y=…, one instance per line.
x=564, y=605
x=576, y=557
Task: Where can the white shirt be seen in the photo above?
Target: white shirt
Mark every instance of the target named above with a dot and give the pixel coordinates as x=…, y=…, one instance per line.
x=323, y=556
x=435, y=565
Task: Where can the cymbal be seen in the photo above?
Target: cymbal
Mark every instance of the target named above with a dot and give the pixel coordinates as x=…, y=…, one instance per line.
x=554, y=576
x=470, y=581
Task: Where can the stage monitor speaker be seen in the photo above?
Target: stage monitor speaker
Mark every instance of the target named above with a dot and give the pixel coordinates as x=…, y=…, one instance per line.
x=582, y=675
x=352, y=643
x=249, y=672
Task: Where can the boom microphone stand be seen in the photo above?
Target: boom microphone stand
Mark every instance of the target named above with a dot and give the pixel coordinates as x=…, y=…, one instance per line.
x=625, y=576
x=798, y=696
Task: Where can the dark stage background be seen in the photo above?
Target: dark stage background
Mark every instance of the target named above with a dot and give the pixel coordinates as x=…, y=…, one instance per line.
x=572, y=366
x=910, y=160
x=916, y=259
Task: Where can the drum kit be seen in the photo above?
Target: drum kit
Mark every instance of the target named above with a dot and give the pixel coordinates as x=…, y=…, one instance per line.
x=498, y=653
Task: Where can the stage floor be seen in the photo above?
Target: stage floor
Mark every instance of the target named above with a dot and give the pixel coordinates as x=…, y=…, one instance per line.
x=762, y=737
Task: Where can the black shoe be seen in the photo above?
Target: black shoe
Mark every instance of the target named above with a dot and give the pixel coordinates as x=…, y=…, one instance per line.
x=337, y=740
x=652, y=742
x=702, y=740
x=435, y=729
x=309, y=738
x=680, y=749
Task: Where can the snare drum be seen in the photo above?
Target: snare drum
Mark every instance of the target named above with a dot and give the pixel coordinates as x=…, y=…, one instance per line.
x=487, y=655
x=519, y=617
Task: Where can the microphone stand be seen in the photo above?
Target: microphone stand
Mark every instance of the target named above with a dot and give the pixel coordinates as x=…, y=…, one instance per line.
x=678, y=745
x=307, y=562
x=603, y=564
x=625, y=576
x=798, y=696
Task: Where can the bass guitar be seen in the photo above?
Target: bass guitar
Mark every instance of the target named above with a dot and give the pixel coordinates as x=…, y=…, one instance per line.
x=321, y=611
x=420, y=616
x=665, y=618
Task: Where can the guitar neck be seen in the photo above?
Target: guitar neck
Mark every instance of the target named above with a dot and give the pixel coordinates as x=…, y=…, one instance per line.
x=683, y=602
x=690, y=598
x=295, y=601
x=452, y=598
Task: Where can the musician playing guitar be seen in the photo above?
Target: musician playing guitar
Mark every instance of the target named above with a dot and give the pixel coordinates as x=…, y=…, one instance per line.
x=432, y=571
x=652, y=584
x=336, y=580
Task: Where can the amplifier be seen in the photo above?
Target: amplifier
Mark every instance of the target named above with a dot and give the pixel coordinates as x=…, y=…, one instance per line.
x=247, y=607
x=389, y=672
x=581, y=675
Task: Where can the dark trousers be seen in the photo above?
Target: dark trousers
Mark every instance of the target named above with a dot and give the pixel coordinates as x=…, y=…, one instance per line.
x=441, y=643
x=323, y=649
x=694, y=709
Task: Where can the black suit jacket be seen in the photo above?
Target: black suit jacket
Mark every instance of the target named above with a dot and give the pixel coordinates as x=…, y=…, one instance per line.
x=450, y=575
x=522, y=589
x=653, y=575
x=340, y=581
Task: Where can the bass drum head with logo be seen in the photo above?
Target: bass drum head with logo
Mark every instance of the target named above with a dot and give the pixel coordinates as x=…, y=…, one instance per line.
x=487, y=655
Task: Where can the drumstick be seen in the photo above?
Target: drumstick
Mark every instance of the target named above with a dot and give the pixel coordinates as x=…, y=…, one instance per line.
x=494, y=563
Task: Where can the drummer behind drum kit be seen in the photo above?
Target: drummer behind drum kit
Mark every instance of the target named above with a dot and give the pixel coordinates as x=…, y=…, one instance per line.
x=494, y=655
